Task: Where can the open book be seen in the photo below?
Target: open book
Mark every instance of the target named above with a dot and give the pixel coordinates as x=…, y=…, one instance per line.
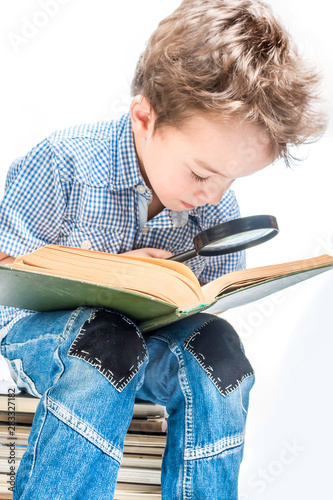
x=152, y=292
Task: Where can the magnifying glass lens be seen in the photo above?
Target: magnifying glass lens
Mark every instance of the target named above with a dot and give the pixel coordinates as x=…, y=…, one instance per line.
x=237, y=239
x=231, y=236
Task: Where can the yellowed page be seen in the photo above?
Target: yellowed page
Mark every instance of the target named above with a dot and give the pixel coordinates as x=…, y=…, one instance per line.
x=87, y=264
x=150, y=276
x=55, y=249
x=246, y=277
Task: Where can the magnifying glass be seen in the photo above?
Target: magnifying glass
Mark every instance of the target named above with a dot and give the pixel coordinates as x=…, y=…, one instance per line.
x=231, y=236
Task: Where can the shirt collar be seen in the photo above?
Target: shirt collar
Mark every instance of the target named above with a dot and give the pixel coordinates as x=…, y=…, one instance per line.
x=125, y=171
x=169, y=218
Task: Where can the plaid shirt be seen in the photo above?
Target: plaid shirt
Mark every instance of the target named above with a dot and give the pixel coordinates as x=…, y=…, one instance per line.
x=82, y=187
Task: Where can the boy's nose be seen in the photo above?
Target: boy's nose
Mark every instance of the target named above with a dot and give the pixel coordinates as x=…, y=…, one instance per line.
x=211, y=194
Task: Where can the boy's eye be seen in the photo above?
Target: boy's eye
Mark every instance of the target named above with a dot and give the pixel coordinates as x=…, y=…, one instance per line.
x=198, y=178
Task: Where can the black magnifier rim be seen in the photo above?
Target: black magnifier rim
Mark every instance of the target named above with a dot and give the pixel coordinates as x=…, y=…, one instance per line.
x=232, y=228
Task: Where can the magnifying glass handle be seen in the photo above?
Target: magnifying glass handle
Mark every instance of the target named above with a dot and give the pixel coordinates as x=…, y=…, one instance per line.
x=181, y=257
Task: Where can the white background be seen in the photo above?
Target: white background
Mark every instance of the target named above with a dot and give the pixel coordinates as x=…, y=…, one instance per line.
x=73, y=65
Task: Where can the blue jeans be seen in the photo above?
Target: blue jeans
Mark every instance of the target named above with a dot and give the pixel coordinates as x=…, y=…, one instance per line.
x=89, y=365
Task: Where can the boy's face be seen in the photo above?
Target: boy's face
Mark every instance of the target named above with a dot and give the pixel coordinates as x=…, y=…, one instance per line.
x=196, y=164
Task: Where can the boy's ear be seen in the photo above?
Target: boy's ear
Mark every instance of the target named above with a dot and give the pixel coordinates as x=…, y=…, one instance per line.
x=142, y=116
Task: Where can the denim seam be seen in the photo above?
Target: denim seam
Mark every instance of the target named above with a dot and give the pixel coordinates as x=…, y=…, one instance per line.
x=215, y=448
x=241, y=399
x=186, y=390
x=42, y=402
x=65, y=334
x=70, y=323
x=18, y=344
x=230, y=387
x=19, y=373
x=96, y=362
x=68, y=328
x=84, y=429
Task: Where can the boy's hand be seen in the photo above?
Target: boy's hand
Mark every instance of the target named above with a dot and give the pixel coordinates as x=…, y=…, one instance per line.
x=150, y=252
x=6, y=259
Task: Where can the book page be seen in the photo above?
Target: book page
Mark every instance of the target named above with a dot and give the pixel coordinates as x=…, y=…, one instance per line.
x=52, y=253
x=169, y=281
x=238, y=280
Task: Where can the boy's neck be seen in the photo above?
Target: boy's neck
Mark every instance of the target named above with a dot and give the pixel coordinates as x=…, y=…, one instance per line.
x=155, y=207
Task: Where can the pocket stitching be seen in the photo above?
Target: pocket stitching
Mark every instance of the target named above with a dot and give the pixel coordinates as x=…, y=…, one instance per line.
x=230, y=388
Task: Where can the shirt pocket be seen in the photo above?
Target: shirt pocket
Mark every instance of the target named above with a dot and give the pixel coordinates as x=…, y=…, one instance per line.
x=98, y=238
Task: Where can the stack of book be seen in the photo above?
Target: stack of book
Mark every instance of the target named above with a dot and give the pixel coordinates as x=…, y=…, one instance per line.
x=140, y=473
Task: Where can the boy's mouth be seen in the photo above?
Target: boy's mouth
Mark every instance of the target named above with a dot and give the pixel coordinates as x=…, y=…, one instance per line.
x=187, y=206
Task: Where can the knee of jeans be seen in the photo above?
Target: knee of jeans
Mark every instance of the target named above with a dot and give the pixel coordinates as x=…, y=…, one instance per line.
x=113, y=345
x=96, y=391
x=221, y=378
x=218, y=350
x=29, y=349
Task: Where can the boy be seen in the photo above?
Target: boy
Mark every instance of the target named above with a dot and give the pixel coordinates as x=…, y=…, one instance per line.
x=219, y=94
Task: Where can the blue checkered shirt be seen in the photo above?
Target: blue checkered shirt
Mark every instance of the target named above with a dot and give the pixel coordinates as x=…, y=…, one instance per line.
x=82, y=187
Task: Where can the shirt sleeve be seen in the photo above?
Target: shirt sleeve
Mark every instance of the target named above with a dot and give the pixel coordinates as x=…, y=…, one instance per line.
x=33, y=205
x=31, y=212
x=222, y=264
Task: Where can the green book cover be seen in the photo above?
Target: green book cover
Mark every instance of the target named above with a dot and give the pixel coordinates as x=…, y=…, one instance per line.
x=43, y=292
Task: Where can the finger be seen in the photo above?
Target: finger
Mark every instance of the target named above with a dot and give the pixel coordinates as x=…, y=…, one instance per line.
x=160, y=254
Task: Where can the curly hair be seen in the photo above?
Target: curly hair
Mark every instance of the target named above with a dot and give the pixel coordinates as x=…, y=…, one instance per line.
x=231, y=58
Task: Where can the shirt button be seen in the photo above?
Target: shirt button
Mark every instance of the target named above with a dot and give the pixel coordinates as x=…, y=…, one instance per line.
x=86, y=245
x=145, y=230
x=141, y=189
